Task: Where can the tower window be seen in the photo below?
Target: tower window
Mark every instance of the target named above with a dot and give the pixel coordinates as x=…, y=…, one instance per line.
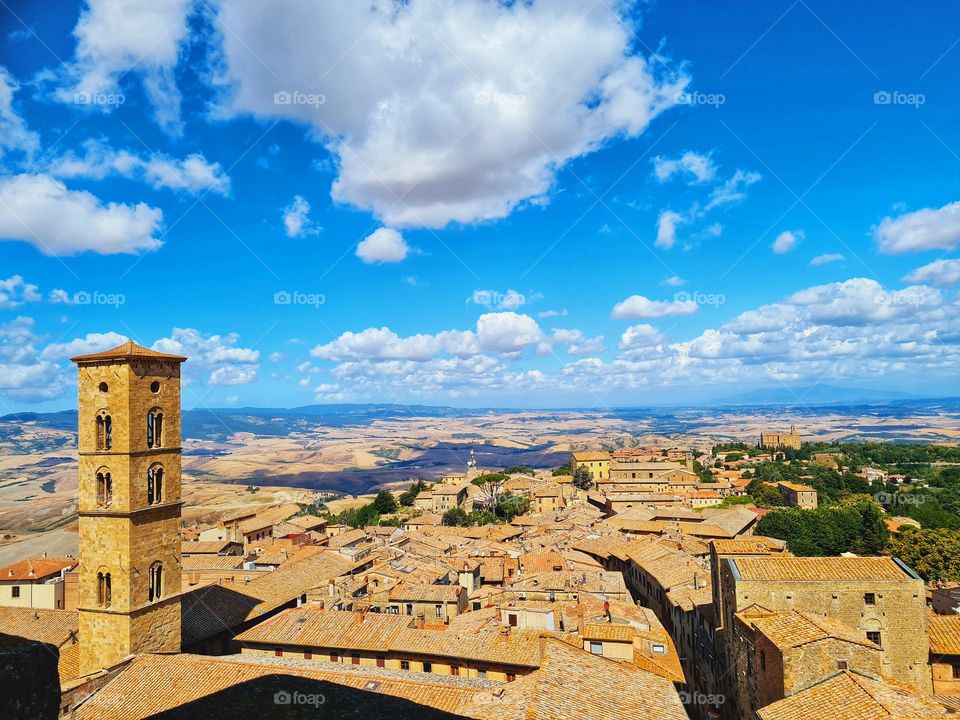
x=103, y=589
x=154, y=387
x=104, y=489
x=156, y=581
x=155, y=484
x=104, y=387
x=154, y=428
x=874, y=637
x=104, y=431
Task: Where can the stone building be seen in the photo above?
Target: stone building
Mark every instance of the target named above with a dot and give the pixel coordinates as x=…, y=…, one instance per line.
x=597, y=463
x=880, y=599
x=944, y=632
x=778, y=441
x=797, y=495
x=129, y=504
x=35, y=583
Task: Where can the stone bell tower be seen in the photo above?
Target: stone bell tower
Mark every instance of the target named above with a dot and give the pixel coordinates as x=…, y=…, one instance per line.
x=129, y=442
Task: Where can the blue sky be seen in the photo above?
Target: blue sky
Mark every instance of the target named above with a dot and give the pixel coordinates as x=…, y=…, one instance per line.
x=521, y=204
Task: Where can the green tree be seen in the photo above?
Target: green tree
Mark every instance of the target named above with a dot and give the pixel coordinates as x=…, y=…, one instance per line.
x=933, y=554
x=456, y=517
x=408, y=496
x=562, y=470
x=582, y=479
x=385, y=503
x=518, y=470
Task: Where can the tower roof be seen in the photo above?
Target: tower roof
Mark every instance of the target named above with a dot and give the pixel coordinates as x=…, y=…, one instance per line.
x=127, y=351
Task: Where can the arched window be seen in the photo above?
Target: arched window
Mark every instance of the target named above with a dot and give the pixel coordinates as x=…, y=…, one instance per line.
x=103, y=589
x=104, y=488
x=155, y=484
x=155, y=428
x=104, y=431
x=156, y=581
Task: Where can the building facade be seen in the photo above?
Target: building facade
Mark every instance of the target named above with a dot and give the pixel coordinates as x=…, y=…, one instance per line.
x=129, y=504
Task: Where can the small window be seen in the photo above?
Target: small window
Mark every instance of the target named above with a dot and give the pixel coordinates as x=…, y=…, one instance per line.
x=874, y=637
x=956, y=672
x=869, y=599
x=104, y=387
x=482, y=673
x=428, y=667
x=409, y=608
x=334, y=657
x=404, y=664
x=307, y=655
x=15, y=591
x=278, y=652
x=659, y=649
x=841, y=665
x=154, y=387
x=381, y=661
x=454, y=669
x=596, y=648
x=438, y=611
x=355, y=659
x=511, y=677
x=512, y=619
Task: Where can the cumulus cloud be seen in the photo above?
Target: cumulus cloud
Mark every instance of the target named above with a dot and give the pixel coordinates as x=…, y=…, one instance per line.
x=827, y=258
x=296, y=217
x=637, y=307
x=674, y=281
x=119, y=38
x=14, y=134
x=939, y=273
x=695, y=167
x=667, y=229
x=461, y=128
x=90, y=343
x=24, y=376
x=193, y=174
x=640, y=337
x=787, y=241
x=383, y=245
x=507, y=332
x=215, y=359
x=925, y=229
x=15, y=291
x=576, y=342
x=42, y=211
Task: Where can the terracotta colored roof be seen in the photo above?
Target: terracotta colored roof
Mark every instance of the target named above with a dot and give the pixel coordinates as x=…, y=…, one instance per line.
x=944, y=632
x=211, y=547
x=36, y=568
x=796, y=628
x=192, y=686
x=756, y=545
x=851, y=695
x=310, y=626
x=55, y=627
x=541, y=562
x=407, y=592
x=607, y=631
x=127, y=351
x=575, y=684
x=588, y=456
x=796, y=487
x=809, y=569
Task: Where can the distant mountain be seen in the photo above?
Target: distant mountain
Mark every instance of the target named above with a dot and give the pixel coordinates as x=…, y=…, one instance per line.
x=813, y=395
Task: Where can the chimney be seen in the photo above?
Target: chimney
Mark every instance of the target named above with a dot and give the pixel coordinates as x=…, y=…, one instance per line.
x=331, y=587
x=420, y=622
x=358, y=617
x=606, y=611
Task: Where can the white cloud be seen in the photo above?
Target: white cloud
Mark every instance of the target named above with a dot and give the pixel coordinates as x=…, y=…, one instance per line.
x=14, y=134
x=925, y=229
x=674, y=281
x=640, y=337
x=460, y=128
x=384, y=344
x=507, y=332
x=696, y=167
x=90, y=343
x=787, y=241
x=14, y=292
x=667, y=229
x=193, y=174
x=577, y=342
x=139, y=37
x=24, y=376
x=217, y=359
x=57, y=221
x=296, y=217
x=827, y=258
x=383, y=245
x=732, y=190
x=637, y=307
x=939, y=273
